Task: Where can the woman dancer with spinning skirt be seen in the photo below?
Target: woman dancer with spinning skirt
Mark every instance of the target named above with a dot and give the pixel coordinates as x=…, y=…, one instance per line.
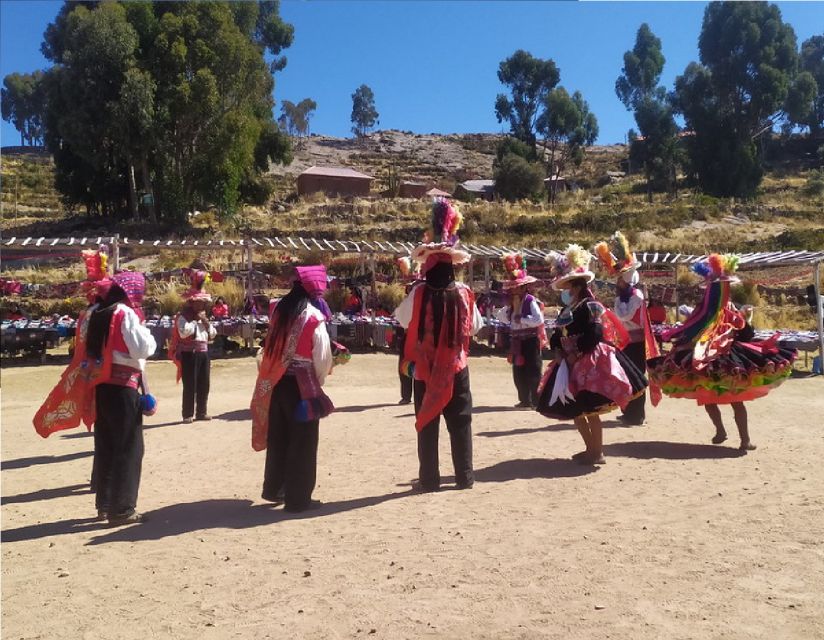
x=715, y=359
x=589, y=375
x=525, y=317
x=288, y=401
x=440, y=317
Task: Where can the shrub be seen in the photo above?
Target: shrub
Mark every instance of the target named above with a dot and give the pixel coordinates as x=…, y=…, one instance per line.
x=391, y=295
x=746, y=293
x=518, y=179
x=815, y=184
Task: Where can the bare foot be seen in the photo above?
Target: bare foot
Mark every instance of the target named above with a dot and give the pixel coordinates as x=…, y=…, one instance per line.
x=719, y=437
x=747, y=446
x=590, y=459
x=579, y=455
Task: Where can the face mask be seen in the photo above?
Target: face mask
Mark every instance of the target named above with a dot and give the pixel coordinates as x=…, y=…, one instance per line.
x=566, y=297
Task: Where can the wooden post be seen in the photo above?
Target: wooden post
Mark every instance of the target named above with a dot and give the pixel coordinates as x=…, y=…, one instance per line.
x=677, y=301
x=374, y=287
x=249, y=268
x=471, y=274
x=487, y=283
x=116, y=253
x=819, y=311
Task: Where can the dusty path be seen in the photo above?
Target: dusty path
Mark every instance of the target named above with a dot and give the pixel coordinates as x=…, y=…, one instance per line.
x=673, y=538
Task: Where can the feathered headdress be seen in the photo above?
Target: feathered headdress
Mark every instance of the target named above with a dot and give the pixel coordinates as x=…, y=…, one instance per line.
x=441, y=241
x=615, y=255
x=446, y=220
x=718, y=267
x=571, y=264
x=197, y=280
x=515, y=264
x=97, y=272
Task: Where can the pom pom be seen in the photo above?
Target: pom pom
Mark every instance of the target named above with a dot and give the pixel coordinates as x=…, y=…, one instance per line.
x=148, y=404
x=730, y=263
x=577, y=256
x=701, y=269
x=446, y=220
x=405, y=266
x=515, y=264
x=716, y=265
x=605, y=256
x=621, y=247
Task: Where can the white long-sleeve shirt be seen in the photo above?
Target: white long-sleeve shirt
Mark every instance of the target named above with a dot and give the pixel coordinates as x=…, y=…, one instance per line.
x=626, y=311
x=138, y=339
x=403, y=312
x=535, y=318
x=321, y=346
x=195, y=329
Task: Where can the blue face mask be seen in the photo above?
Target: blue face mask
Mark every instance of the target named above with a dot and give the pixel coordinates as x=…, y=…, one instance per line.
x=566, y=297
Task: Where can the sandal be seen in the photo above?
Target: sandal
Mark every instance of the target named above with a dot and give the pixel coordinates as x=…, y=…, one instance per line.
x=129, y=518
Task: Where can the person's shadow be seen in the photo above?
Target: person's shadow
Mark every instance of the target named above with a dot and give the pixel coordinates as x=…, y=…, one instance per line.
x=648, y=450
x=47, y=494
x=22, y=463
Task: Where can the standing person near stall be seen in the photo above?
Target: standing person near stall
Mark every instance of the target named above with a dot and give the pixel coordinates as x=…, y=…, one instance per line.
x=220, y=310
x=189, y=347
x=715, y=358
x=619, y=262
x=525, y=316
x=288, y=401
x=440, y=317
x=589, y=375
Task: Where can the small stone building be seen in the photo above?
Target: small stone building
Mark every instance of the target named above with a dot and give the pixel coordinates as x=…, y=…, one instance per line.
x=334, y=181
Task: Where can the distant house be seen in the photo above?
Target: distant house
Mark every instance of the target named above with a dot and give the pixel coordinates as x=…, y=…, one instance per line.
x=483, y=189
x=412, y=189
x=559, y=183
x=340, y=181
x=434, y=192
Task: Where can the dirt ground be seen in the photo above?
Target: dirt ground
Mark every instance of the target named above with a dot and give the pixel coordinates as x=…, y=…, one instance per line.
x=672, y=538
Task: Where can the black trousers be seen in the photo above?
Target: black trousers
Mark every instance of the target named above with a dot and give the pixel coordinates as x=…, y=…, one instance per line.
x=195, y=374
x=458, y=416
x=118, y=448
x=636, y=352
x=406, y=381
x=292, y=449
x=528, y=375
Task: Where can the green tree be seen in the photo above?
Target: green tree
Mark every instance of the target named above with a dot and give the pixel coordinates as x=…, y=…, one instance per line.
x=805, y=102
x=529, y=80
x=364, y=114
x=748, y=62
x=637, y=87
x=177, y=93
x=513, y=145
x=516, y=178
x=294, y=118
x=24, y=104
x=568, y=127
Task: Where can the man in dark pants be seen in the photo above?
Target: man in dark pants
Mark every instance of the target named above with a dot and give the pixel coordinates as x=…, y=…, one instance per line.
x=440, y=317
x=458, y=416
x=118, y=448
x=406, y=380
x=196, y=381
x=292, y=451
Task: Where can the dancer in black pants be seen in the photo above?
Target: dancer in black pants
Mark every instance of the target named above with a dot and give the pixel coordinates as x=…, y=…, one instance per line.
x=405, y=380
x=117, y=342
x=440, y=317
x=288, y=401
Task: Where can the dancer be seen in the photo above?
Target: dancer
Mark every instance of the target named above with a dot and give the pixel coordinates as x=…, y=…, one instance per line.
x=440, y=317
x=288, y=401
x=620, y=262
x=100, y=387
x=715, y=359
x=589, y=375
x=525, y=317
x=189, y=347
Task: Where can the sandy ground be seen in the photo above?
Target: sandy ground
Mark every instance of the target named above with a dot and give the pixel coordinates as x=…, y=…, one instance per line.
x=673, y=538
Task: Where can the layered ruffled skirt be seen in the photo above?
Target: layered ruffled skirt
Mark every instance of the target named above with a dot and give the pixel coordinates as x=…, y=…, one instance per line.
x=600, y=381
x=748, y=371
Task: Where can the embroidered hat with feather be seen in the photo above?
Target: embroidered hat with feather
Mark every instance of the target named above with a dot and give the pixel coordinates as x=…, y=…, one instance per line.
x=515, y=265
x=617, y=258
x=573, y=263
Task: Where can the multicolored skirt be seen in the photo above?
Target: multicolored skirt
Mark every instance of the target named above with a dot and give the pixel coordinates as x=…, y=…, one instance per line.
x=748, y=371
x=599, y=382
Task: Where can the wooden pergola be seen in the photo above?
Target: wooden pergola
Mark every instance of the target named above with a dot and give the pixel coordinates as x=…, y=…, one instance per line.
x=371, y=248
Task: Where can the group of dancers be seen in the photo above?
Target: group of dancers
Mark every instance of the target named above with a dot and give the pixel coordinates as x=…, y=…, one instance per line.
x=600, y=361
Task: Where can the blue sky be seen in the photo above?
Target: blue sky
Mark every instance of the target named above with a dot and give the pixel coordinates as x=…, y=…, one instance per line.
x=433, y=65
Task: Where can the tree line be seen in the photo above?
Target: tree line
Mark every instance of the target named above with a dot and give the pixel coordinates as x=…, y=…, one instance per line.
x=751, y=81
x=160, y=108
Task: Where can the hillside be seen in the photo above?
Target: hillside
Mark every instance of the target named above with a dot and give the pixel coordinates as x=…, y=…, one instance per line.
x=783, y=215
